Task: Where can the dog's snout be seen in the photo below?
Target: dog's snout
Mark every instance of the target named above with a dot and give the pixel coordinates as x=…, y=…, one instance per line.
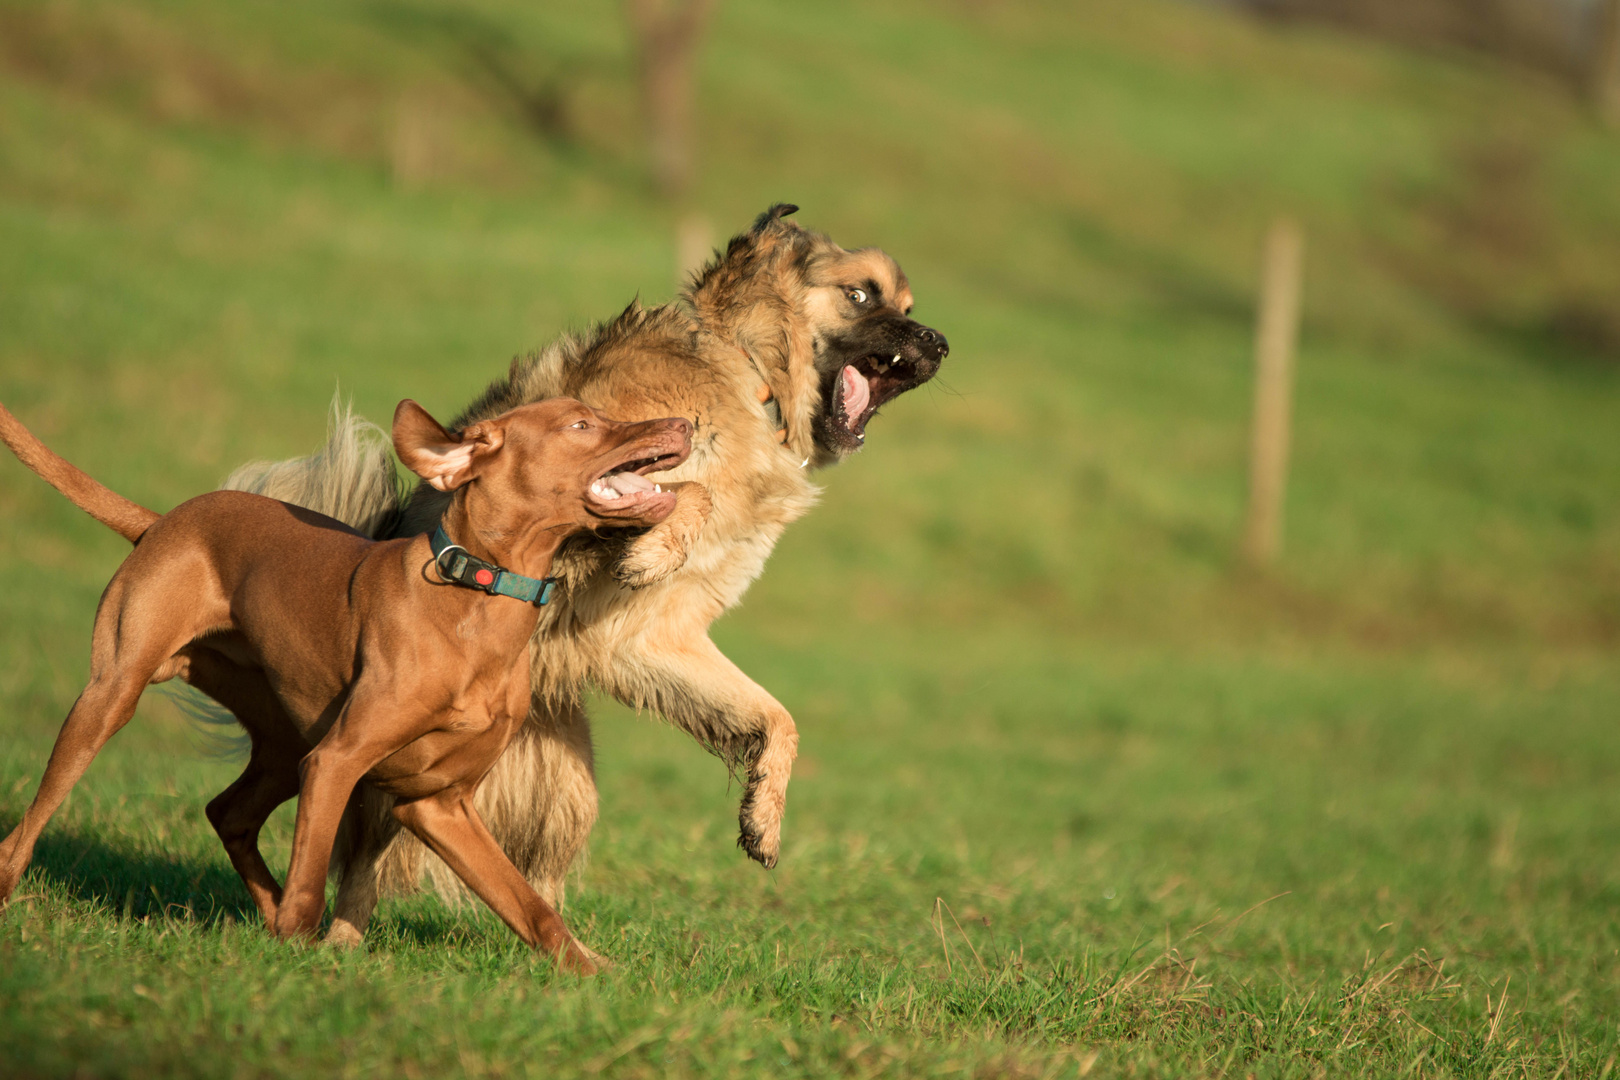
x=680, y=429
x=933, y=339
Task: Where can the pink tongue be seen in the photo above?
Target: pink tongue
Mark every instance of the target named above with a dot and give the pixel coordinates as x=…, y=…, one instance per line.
x=857, y=393
x=626, y=482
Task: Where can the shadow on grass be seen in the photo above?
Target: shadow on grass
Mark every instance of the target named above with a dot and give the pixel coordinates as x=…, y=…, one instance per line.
x=137, y=884
x=426, y=924
x=141, y=883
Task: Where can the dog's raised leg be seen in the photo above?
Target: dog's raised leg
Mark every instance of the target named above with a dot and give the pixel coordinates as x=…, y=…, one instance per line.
x=449, y=825
x=694, y=686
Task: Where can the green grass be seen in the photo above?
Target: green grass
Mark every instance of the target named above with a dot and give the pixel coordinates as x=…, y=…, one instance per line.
x=1077, y=795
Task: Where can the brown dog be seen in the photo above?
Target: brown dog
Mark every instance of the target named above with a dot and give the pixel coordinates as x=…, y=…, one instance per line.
x=347, y=658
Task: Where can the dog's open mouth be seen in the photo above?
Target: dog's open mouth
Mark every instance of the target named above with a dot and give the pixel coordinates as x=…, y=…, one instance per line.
x=626, y=486
x=864, y=387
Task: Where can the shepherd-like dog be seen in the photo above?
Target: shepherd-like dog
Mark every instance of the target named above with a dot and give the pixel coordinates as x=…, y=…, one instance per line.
x=779, y=351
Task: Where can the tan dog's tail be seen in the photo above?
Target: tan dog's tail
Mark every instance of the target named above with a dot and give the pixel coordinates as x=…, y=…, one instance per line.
x=351, y=478
x=127, y=519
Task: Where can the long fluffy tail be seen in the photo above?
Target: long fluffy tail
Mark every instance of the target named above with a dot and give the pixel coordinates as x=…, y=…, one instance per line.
x=351, y=478
x=127, y=519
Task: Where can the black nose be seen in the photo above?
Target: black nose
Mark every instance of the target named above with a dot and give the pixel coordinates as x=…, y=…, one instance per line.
x=933, y=338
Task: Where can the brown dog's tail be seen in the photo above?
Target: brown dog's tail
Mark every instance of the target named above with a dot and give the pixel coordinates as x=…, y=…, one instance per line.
x=127, y=519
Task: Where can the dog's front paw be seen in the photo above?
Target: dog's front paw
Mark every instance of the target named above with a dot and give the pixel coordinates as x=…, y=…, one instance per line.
x=343, y=936
x=663, y=549
x=759, y=847
x=650, y=559
x=576, y=959
x=602, y=963
x=765, y=799
x=760, y=835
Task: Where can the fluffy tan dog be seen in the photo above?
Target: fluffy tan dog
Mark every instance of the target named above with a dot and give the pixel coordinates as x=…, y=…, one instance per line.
x=780, y=352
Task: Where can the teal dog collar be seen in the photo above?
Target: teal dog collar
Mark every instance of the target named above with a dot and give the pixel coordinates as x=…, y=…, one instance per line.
x=459, y=567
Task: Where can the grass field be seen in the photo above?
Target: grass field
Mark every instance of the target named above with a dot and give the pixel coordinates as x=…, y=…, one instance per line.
x=1077, y=795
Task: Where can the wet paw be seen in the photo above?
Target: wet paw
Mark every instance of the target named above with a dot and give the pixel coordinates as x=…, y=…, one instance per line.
x=763, y=845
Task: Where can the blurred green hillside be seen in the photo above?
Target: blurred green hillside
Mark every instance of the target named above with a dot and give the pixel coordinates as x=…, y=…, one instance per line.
x=1033, y=682
x=211, y=215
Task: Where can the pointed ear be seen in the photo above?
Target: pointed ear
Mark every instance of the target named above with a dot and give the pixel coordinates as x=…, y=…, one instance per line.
x=444, y=460
x=773, y=216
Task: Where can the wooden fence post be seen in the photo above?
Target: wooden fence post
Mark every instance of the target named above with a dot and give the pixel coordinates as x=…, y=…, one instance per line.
x=1605, y=74
x=1276, y=330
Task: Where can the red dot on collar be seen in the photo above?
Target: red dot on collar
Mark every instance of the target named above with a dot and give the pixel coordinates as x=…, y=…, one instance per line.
x=484, y=577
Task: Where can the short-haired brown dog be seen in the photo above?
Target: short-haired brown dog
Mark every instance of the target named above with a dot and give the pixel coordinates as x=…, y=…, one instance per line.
x=348, y=659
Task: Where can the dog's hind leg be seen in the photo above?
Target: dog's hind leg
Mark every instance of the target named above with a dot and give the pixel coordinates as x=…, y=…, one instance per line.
x=137, y=640
x=120, y=668
x=449, y=825
x=240, y=811
x=271, y=778
x=563, y=779
x=103, y=708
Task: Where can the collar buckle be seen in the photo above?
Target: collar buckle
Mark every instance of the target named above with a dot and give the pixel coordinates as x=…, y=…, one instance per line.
x=458, y=566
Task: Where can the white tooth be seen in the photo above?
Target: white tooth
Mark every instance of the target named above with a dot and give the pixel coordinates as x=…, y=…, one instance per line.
x=897, y=358
x=657, y=489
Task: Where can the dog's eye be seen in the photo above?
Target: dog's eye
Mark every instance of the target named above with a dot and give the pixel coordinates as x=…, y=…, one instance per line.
x=857, y=295
x=579, y=425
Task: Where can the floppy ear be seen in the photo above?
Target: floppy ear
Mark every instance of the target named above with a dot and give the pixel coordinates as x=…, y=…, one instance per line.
x=444, y=460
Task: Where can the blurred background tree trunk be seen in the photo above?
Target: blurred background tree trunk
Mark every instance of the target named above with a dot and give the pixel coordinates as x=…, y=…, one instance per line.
x=1548, y=35
x=667, y=35
x=1606, y=64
